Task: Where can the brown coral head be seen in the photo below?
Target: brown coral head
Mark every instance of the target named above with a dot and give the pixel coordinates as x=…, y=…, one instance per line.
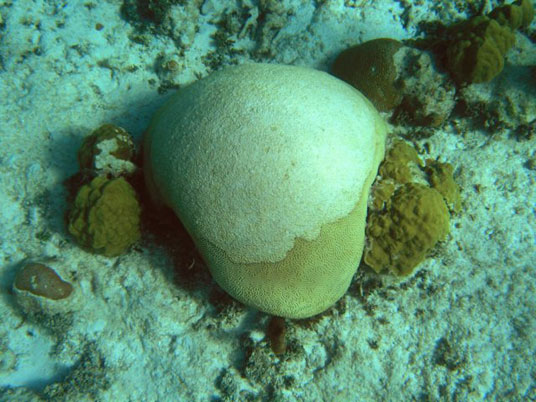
x=369, y=67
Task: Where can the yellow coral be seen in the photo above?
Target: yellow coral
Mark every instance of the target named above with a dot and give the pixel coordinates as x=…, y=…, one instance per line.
x=401, y=163
x=516, y=15
x=477, y=51
x=382, y=192
x=105, y=217
x=401, y=237
x=477, y=47
x=409, y=212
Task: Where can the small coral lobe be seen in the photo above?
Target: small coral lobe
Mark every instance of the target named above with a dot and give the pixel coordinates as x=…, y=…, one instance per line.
x=369, y=67
x=105, y=216
x=401, y=162
x=43, y=281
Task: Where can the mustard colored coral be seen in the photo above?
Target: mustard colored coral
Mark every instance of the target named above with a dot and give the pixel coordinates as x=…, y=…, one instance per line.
x=477, y=53
x=401, y=164
x=516, y=15
x=409, y=213
x=476, y=48
x=105, y=216
x=415, y=219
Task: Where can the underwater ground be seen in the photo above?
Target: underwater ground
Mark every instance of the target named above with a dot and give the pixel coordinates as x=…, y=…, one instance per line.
x=150, y=324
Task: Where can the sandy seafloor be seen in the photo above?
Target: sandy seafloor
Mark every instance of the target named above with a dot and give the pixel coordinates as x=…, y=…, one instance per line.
x=462, y=328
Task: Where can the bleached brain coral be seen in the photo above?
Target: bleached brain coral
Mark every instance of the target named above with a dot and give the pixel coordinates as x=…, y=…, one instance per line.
x=269, y=169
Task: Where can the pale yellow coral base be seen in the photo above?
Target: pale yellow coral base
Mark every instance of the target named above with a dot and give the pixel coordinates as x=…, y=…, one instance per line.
x=311, y=278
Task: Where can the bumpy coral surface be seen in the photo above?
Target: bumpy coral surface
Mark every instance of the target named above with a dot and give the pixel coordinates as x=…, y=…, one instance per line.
x=400, y=237
x=401, y=164
x=105, y=217
x=410, y=210
x=516, y=15
x=476, y=51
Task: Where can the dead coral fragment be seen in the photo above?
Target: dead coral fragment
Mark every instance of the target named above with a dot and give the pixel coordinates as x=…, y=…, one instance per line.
x=107, y=150
x=105, y=217
x=43, y=281
x=400, y=237
x=428, y=94
x=370, y=68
